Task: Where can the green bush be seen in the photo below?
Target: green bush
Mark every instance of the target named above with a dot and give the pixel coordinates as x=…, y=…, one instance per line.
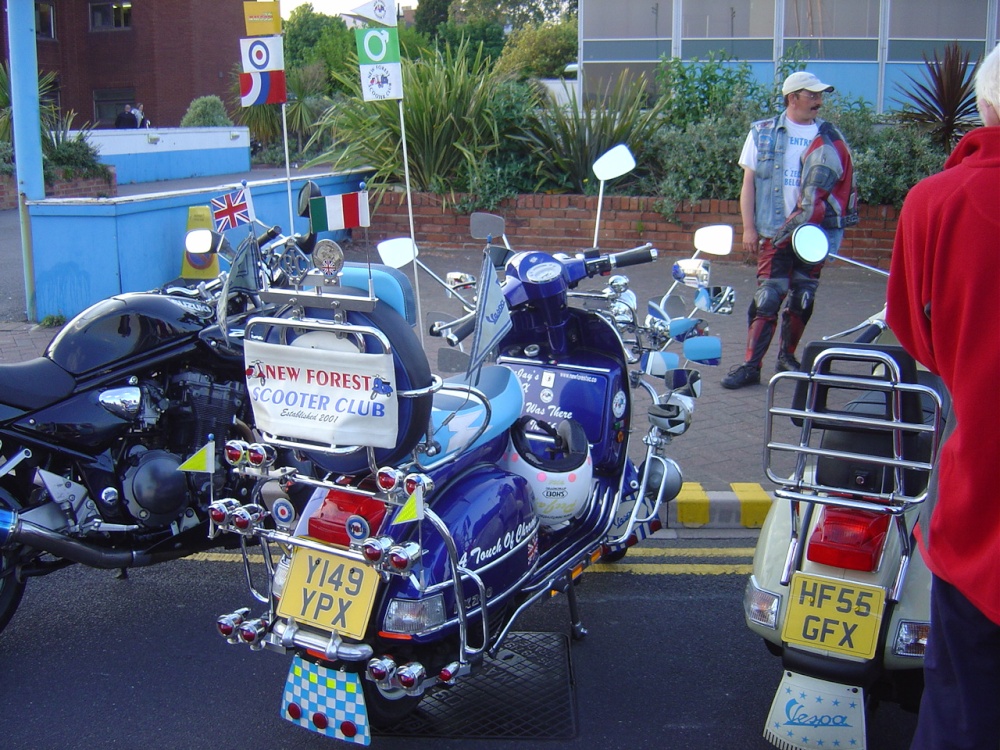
x=457, y=114
x=6, y=158
x=541, y=50
x=896, y=159
x=206, y=112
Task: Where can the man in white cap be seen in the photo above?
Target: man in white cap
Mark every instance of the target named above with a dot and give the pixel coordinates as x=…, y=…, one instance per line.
x=797, y=169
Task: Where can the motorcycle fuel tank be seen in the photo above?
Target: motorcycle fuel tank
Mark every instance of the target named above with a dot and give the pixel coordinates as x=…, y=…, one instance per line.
x=126, y=326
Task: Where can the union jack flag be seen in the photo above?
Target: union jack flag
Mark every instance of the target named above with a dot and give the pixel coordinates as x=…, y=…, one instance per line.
x=231, y=210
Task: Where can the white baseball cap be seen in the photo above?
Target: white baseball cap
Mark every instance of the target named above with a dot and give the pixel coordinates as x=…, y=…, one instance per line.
x=803, y=80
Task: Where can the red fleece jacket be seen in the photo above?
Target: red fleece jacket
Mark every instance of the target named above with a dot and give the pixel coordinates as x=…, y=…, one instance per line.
x=946, y=259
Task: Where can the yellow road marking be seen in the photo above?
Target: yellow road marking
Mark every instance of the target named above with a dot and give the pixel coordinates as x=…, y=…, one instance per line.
x=674, y=569
x=754, y=503
x=692, y=505
x=690, y=551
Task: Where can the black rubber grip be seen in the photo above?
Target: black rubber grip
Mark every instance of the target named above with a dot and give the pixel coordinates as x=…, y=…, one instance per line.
x=269, y=235
x=633, y=257
x=461, y=332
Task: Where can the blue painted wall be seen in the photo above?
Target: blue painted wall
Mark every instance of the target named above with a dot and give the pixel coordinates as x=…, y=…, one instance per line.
x=86, y=250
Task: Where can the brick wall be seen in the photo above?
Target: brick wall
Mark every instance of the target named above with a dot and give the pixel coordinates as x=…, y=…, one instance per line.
x=566, y=223
x=92, y=187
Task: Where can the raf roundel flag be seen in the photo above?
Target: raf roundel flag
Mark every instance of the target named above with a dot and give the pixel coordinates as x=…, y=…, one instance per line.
x=334, y=212
x=263, y=88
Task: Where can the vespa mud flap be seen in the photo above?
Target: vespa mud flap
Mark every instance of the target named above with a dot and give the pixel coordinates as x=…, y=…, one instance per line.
x=326, y=701
x=810, y=713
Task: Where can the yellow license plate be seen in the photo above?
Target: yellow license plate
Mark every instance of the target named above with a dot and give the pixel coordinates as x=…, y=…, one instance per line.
x=833, y=615
x=329, y=591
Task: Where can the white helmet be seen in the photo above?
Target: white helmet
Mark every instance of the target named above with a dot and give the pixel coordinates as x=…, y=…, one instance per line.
x=557, y=464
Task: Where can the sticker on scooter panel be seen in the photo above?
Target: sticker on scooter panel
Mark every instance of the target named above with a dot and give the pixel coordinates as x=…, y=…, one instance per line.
x=811, y=713
x=327, y=701
x=618, y=405
x=357, y=528
x=833, y=615
x=329, y=591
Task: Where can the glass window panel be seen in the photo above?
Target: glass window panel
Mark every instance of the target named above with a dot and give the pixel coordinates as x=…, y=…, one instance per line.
x=832, y=18
x=45, y=23
x=934, y=19
x=725, y=19
x=834, y=49
x=627, y=50
x=742, y=49
x=110, y=16
x=902, y=50
x=627, y=19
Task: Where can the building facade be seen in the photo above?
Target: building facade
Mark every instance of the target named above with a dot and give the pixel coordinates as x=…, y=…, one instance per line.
x=162, y=53
x=866, y=48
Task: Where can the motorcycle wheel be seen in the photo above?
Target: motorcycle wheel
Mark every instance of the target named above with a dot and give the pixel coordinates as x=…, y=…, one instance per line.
x=11, y=590
x=386, y=708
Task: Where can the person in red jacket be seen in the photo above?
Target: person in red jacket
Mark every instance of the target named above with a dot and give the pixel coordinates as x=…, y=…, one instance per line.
x=944, y=307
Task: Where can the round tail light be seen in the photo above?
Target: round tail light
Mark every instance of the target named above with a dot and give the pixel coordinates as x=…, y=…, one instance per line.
x=411, y=675
x=381, y=668
x=236, y=452
x=252, y=631
x=402, y=557
x=261, y=455
x=388, y=478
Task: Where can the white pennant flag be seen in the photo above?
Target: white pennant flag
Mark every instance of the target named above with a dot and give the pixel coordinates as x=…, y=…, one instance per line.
x=492, y=316
x=379, y=11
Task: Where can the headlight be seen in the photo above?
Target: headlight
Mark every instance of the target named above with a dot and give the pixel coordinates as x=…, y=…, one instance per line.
x=911, y=640
x=760, y=606
x=414, y=615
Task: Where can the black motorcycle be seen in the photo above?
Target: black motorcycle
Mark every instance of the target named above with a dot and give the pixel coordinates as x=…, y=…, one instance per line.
x=112, y=440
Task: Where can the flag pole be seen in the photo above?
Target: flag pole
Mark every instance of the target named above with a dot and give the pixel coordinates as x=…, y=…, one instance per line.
x=288, y=170
x=409, y=210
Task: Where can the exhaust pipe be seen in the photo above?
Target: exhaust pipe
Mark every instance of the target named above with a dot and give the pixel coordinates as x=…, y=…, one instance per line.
x=15, y=530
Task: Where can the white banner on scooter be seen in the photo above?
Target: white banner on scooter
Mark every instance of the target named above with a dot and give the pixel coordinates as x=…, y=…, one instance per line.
x=336, y=398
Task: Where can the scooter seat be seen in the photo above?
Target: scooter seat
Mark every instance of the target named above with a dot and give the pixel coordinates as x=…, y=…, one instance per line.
x=35, y=383
x=456, y=417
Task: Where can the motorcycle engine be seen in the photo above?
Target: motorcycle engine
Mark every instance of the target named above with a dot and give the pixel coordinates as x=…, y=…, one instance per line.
x=194, y=407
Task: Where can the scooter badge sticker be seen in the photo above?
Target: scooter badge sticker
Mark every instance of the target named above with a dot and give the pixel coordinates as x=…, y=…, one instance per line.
x=618, y=405
x=283, y=512
x=326, y=701
x=357, y=528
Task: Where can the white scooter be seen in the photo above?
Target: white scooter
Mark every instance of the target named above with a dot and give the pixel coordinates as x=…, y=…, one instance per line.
x=839, y=589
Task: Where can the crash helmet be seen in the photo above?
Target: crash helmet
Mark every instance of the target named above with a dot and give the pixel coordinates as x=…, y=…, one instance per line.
x=556, y=462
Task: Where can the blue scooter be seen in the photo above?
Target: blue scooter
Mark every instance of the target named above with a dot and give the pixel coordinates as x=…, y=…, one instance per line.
x=440, y=509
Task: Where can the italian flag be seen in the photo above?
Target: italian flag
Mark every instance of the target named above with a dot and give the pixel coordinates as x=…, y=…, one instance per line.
x=334, y=212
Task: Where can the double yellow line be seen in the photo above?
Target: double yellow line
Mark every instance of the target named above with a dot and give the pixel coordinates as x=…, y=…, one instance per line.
x=629, y=564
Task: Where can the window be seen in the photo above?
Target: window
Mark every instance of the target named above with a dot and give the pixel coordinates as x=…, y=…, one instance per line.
x=828, y=30
x=109, y=102
x=45, y=21
x=627, y=19
x=108, y=16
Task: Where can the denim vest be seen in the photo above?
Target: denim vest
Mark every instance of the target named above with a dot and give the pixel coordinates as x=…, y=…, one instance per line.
x=771, y=138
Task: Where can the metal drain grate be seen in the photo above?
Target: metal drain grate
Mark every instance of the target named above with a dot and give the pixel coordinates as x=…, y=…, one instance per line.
x=526, y=692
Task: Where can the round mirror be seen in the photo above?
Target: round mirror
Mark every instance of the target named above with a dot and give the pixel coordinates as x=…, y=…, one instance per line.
x=810, y=244
x=306, y=193
x=397, y=252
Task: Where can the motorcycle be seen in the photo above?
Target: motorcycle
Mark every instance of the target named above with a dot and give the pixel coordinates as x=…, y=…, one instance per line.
x=112, y=439
x=443, y=508
x=839, y=589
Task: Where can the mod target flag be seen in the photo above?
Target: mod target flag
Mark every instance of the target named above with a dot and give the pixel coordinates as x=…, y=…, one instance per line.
x=381, y=71
x=262, y=53
x=267, y=87
x=334, y=212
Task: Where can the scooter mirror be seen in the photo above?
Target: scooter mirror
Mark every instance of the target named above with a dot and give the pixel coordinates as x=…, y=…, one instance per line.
x=205, y=241
x=692, y=272
x=499, y=255
x=658, y=363
x=810, y=244
x=706, y=350
x=484, y=226
x=717, y=299
x=685, y=328
x=614, y=163
x=306, y=193
x=397, y=252
x=716, y=239
x=684, y=381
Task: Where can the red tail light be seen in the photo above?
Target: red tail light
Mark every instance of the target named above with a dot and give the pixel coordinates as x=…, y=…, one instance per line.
x=261, y=455
x=346, y=517
x=236, y=452
x=846, y=538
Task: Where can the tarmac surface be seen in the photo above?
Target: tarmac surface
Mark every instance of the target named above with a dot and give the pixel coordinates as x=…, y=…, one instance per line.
x=720, y=455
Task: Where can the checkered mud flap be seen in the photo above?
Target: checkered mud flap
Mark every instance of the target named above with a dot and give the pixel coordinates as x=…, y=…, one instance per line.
x=808, y=713
x=640, y=531
x=326, y=701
